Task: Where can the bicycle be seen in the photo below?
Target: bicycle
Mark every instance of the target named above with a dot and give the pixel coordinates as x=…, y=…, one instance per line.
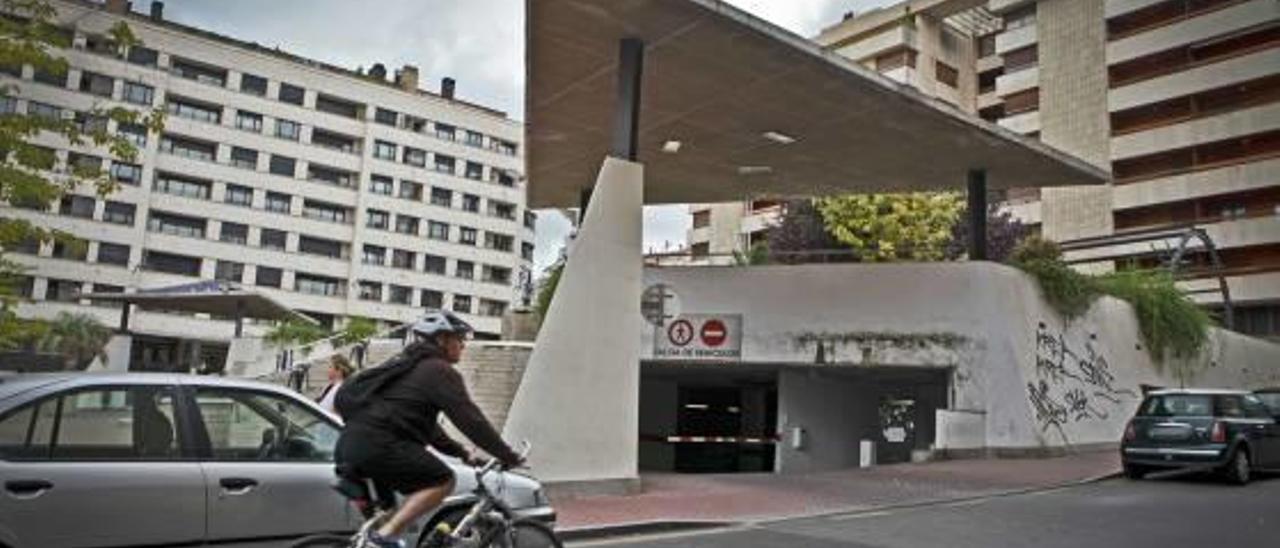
x=489, y=523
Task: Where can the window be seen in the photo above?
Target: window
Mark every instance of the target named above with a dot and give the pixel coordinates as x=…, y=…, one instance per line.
x=701, y=249
x=170, y=263
x=500, y=242
x=249, y=121
x=72, y=251
x=444, y=164
x=291, y=94
x=44, y=110
x=410, y=190
x=283, y=165
x=946, y=74
x=288, y=129
x=374, y=255
x=465, y=270
x=339, y=106
x=495, y=274
x=894, y=60
x=188, y=148
x=471, y=203
x=406, y=224
x=400, y=294
x=475, y=138
x=88, y=165
x=433, y=264
x=431, y=299
x=384, y=116
x=502, y=210
x=238, y=195
x=446, y=132
x=268, y=277
x=116, y=254
x=62, y=290
x=502, y=177
x=384, y=150
x=272, y=239
x=438, y=231
x=52, y=77
x=378, y=219
x=1023, y=101
x=462, y=303
x=415, y=157
x=474, y=171
x=252, y=84
x=124, y=173
x=279, y=203
x=466, y=235
x=26, y=433
x=89, y=123
x=332, y=249
x=369, y=291
x=322, y=211
x=97, y=84
x=1020, y=59
x=77, y=206
x=192, y=110
x=244, y=158
x=330, y=175
x=138, y=94
x=526, y=251
x=317, y=285
x=234, y=233
x=107, y=288
x=200, y=72
x=146, y=57
x=413, y=123
x=702, y=219
x=403, y=259
x=256, y=426
x=229, y=271
x=380, y=184
x=177, y=225
x=131, y=424
x=442, y=197
x=335, y=141
x=987, y=45
x=503, y=147
x=492, y=308
x=1254, y=408
x=119, y=213
x=181, y=186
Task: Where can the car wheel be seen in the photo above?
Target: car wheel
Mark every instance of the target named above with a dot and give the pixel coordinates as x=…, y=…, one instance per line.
x=1238, y=469
x=1134, y=471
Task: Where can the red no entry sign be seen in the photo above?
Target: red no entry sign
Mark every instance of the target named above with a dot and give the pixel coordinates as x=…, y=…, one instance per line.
x=714, y=333
x=680, y=332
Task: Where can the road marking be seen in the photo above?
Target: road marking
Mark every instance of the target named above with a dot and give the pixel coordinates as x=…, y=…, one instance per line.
x=863, y=515
x=971, y=502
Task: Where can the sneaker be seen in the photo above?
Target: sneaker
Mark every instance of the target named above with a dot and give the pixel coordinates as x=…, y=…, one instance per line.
x=378, y=541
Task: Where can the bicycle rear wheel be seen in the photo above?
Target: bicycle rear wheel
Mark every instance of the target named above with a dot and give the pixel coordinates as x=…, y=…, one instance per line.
x=323, y=541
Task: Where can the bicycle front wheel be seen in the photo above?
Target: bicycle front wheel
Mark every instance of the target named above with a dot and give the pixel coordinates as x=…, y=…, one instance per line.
x=530, y=534
x=323, y=541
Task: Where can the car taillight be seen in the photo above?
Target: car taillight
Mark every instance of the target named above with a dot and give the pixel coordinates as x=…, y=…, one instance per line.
x=1219, y=434
x=1130, y=433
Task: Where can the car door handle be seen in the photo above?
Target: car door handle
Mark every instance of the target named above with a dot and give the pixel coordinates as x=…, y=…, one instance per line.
x=27, y=489
x=237, y=486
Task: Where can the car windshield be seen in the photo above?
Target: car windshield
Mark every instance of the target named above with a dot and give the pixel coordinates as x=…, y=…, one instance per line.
x=1180, y=405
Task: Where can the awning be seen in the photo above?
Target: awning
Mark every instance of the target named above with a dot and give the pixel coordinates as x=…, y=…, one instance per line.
x=214, y=297
x=717, y=80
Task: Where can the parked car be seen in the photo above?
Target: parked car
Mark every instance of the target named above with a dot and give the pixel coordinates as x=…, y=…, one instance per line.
x=162, y=459
x=1229, y=431
x=1270, y=397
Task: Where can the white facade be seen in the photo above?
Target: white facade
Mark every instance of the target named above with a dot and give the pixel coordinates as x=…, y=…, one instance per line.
x=359, y=198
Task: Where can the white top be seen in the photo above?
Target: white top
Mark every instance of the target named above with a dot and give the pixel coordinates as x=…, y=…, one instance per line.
x=326, y=400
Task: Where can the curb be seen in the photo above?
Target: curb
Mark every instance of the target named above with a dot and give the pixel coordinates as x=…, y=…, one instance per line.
x=602, y=532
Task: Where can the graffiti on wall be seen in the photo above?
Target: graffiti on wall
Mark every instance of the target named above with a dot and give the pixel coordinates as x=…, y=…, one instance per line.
x=1072, y=383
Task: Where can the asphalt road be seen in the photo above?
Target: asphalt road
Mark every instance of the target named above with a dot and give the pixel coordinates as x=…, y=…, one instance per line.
x=1165, y=513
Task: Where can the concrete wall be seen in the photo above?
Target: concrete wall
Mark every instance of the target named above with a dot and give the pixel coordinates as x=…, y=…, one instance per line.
x=659, y=410
x=835, y=414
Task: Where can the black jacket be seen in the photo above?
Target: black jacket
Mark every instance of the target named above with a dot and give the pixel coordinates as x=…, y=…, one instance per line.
x=409, y=407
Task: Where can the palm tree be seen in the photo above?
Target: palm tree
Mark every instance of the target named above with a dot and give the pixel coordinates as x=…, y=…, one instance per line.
x=78, y=338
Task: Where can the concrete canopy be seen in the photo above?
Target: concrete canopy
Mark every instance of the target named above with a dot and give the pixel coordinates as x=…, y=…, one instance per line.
x=717, y=79
x=208, y=297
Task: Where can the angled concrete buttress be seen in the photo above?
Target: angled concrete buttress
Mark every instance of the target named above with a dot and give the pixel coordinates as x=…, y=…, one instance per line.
x=579, y=400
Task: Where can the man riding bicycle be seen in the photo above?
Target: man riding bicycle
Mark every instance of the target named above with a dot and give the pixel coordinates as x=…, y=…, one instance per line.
x=386, y=441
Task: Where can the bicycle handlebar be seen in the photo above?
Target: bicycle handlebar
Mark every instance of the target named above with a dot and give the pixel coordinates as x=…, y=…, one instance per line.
x=495, y=464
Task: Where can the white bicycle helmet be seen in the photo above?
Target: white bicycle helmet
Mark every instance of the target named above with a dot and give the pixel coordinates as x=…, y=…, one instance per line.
x=441, y=321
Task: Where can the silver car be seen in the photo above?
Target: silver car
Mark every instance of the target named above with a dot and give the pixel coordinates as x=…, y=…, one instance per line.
x=160, y=460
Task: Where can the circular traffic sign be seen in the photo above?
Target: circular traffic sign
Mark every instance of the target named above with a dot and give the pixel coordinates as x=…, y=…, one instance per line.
x=714, y=333
x=680, y=332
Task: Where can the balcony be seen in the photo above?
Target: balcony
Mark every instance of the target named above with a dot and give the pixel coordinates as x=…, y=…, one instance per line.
x=900, y=36
x=1205, y=130
x=1016, y=39
x=1024, y=123
x=1204, y=27
x=1009, y=84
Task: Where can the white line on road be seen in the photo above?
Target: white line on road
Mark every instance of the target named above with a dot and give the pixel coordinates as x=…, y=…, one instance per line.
x=863, y=515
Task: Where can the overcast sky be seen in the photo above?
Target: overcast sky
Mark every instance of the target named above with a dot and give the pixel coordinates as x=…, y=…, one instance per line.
x=477, y=42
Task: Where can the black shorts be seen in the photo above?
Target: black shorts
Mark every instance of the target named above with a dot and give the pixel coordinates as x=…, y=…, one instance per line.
x=392, y=462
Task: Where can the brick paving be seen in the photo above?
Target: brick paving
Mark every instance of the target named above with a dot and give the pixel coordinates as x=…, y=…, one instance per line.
x=756, y=497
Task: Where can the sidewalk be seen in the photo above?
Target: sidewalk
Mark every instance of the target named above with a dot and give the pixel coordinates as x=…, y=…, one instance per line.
x=737, y=498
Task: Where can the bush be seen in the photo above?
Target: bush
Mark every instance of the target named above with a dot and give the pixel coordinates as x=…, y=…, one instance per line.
x=1067, y=291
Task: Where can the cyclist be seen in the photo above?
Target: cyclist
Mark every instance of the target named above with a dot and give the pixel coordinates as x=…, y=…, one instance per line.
x=385, y=442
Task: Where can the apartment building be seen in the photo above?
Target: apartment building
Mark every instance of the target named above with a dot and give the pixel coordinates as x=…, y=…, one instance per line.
x=339, y=194
x=1179, y=98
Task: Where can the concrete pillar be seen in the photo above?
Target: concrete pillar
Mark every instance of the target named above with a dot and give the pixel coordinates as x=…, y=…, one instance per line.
x=578, y=402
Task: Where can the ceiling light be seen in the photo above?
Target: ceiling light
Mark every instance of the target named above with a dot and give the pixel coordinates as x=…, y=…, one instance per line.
x=754, y=170
x=671, y=147
x=780, y=138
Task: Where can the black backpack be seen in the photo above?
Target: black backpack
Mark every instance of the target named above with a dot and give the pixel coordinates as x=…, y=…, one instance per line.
x=357, y=392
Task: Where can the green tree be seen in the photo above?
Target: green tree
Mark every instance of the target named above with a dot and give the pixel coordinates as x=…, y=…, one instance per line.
x=547, y=288
x=29, y=175
x=78, y=338
x=357, y=329
x=757, y=255
x=294, y=332
x=889, y=227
